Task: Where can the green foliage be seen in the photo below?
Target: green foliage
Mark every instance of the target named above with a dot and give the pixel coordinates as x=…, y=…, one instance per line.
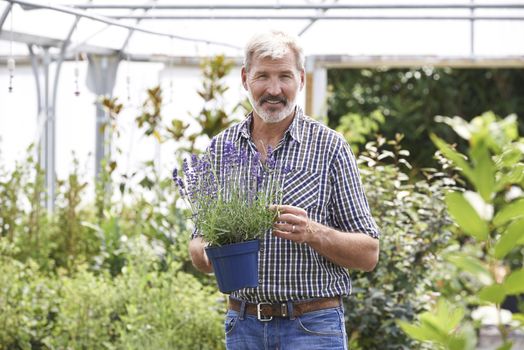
x=441, y=328
x=488, y=218
x=74, y=243
x=28, y=302
x=148, y=306
x=109, y=274
x=358, y=129
x=411, y=217
x=171, y=310
x=88, y=306
x=213, y=120
x=213, y=117
x=410, y=98
x=151, y=117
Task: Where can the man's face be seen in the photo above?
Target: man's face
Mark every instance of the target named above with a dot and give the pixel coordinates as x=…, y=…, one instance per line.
x=273, y=85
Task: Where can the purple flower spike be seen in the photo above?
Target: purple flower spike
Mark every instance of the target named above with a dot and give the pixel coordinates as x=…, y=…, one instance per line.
x=194, y=160
x=175, y=174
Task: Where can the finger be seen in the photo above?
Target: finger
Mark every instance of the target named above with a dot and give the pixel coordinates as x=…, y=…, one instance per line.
x=287, y=227
x=287, y=235
x=289, y=218
x=289, y=209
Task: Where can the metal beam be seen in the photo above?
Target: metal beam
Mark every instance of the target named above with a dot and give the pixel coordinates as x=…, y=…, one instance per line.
x=106, y=20
x=4, y=15
x=344, y=61
x=296, y=7
x=189, y=61
x=39, y=40
x=472, y=31
x=131, y=31
x=46, y=126
x=315, y=18
x=34, y=66
x=321, y=12
x=341, y=61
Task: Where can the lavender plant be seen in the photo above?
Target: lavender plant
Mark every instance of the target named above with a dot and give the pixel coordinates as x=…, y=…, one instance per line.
x=230, y=193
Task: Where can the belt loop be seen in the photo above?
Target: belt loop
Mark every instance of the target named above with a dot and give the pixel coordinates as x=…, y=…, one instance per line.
x=242, y=311
x=290, y=310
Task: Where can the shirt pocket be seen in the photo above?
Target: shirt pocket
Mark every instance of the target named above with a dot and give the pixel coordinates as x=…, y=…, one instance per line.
x=301, y=188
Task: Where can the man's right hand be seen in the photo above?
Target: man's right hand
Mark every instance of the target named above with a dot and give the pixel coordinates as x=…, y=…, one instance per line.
x=198, y=255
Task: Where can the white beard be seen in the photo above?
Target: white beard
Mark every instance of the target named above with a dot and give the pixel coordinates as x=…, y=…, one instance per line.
x=272, y=117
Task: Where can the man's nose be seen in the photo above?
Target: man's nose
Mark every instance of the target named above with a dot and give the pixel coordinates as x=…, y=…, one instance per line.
x=274, y=87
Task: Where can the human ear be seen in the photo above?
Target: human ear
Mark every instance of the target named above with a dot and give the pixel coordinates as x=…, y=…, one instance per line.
x=244, y=77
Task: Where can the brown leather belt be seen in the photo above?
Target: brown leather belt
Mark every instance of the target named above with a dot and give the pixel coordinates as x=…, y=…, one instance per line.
x=266, y=311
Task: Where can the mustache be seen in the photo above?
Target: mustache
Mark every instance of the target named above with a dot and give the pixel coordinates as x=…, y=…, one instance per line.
x=267, y=98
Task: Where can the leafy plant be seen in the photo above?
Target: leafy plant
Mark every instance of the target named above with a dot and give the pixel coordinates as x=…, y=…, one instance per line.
x=411, y=217
x=357, y=129
x=225, y=196
x=151, y=116
x=489, y=213
x=166, y=310
x=409, y=98
x=28, y=302
x=442, y=327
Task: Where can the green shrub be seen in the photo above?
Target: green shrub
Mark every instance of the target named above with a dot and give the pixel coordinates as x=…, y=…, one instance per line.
x=28, y=303
x=489, y=221
x=169, y=309
x=409, y=98
x=411, y=217
x=88, y=308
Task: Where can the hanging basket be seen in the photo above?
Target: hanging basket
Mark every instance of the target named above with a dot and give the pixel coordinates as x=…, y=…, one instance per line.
x=235, y=265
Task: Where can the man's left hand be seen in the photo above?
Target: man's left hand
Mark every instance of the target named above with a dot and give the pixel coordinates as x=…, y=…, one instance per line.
x=292, y=223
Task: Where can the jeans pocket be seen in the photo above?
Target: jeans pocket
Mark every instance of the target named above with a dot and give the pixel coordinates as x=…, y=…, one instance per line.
x=328, y=322
x=230, y=321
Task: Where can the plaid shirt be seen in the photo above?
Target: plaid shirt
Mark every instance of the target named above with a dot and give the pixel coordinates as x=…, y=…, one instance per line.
x=324, y=181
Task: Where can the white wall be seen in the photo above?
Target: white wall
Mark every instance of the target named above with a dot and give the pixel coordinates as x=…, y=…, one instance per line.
x=75, y=115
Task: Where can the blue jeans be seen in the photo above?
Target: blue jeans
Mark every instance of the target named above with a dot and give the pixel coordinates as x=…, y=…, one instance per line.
x=316, y=330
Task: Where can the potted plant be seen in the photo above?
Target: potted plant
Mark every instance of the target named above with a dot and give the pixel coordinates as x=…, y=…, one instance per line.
x=229, y=200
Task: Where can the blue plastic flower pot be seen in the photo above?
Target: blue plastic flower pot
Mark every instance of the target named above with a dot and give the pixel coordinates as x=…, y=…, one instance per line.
x=235, y=265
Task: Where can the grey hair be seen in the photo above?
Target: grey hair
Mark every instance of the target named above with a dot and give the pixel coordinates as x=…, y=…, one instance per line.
x=273, y=44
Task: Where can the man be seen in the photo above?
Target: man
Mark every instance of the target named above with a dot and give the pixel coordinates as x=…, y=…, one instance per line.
x=323, y=228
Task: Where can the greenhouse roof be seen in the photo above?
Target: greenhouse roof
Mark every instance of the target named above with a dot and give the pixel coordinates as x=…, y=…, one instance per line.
x=154, y=30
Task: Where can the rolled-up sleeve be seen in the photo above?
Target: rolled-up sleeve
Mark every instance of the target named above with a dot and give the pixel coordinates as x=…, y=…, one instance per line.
x=350, y=208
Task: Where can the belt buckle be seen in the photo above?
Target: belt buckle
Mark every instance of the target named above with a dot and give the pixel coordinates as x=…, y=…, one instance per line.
x=260, y=317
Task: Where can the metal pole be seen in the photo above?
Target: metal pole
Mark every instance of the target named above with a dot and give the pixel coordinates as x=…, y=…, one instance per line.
x=60, y=60
x=294, y=7
x=310, y=24
x=4, y=15
x=106, y=20
x=48, y=142
x=34, y=65
x=472, y=31
x=131, y=31
x=314, y=18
